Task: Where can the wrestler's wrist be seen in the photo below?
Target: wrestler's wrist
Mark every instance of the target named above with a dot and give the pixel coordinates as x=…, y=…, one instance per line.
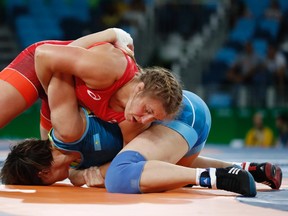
x=123, y=40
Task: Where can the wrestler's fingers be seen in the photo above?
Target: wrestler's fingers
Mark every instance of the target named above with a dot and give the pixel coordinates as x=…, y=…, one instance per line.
x=124, y=41
x=93, y=177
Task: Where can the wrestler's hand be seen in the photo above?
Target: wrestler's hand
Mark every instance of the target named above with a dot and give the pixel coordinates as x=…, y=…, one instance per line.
x=93, y=177
x=124, y=41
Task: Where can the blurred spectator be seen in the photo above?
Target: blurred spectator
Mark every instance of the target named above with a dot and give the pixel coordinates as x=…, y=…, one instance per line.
x=259, y=135
x=183, y=18
x=282, y=129
x=135, y=13
x=247, y=72
x=237, y=10
x=276, y=65
x=113, y=12
x=274, y=11
x=134, y=16
x=107, y=14
x=126, y=14
x=245, y=67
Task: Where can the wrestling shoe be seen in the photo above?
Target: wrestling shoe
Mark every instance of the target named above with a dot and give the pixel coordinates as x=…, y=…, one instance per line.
x=235, y=180
x=265, y=173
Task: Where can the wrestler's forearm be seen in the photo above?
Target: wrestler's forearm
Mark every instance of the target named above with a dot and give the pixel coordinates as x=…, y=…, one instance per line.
x=116, y=36
x=68, y=121
x=92, y=177
x=107, y=35
x=76, y=177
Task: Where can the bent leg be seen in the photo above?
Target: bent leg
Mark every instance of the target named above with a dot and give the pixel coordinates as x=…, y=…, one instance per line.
x=130, y=172
x=17, y=94
x=12, y=103
x=147, y=163
x=159, y=143
x=266, y=173
x=195, y=161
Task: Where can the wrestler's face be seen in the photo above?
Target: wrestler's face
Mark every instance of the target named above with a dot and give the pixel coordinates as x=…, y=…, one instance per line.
x=58, y=171
x=143, y=108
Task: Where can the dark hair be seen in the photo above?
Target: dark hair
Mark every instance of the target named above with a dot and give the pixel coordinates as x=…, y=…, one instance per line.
x=25, y=161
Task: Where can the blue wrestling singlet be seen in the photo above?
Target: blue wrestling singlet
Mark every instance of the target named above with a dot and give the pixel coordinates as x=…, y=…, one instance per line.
x=99, y=144
x=193, y=122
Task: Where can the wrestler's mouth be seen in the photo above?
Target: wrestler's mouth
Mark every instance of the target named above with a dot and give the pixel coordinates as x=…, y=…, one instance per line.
x=132, y=119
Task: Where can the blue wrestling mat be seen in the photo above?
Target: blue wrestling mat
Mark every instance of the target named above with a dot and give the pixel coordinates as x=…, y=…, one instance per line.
x=266, y=198
x=277, y=199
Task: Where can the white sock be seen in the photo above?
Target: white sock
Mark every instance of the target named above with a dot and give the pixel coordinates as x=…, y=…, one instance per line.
x=212, y=173
x=198, y=174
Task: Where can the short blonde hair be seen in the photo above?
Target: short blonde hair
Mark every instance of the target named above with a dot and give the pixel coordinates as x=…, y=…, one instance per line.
x=161, y=84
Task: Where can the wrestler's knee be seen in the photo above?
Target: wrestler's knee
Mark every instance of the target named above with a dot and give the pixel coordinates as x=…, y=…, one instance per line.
x=124, y=173
x=188, y=160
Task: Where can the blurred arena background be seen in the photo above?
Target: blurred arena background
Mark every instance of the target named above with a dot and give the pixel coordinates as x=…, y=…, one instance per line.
x=197, y=39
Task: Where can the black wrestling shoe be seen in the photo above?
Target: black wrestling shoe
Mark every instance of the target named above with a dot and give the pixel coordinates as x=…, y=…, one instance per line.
x=236, y=180
x=266, y=173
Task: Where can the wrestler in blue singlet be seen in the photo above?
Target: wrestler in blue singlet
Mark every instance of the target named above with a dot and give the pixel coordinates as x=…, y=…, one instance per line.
x=99, y=144
x=193, y=123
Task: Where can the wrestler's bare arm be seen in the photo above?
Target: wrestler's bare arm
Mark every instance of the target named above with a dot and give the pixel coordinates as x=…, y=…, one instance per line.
x=115, y=36
x=88, y=40
x=99, y=67
x=47, y=57
x=92, y=176
x=67, y=119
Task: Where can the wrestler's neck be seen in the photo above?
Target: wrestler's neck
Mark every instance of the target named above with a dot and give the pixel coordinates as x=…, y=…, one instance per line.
x=119, y=100
x=65, y=157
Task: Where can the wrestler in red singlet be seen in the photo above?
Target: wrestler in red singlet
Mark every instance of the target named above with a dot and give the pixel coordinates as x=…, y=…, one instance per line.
x=21, y=74
x=98, y=100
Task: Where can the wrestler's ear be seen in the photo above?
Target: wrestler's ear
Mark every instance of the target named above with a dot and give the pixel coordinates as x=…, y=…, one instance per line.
x=140, y=86
x=44, y=173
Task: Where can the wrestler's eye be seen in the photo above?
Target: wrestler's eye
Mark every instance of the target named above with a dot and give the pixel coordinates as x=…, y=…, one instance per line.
x=149, y=111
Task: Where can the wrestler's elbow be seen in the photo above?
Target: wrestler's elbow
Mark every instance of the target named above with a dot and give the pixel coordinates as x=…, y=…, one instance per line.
x=41, y=52
x=76, y=177
x=41, y=61
x=67, y=134
x=75, y=183
x=46, y=57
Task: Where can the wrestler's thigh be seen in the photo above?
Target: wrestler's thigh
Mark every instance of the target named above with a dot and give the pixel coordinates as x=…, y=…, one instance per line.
x=159, y=143
x=12, y=103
